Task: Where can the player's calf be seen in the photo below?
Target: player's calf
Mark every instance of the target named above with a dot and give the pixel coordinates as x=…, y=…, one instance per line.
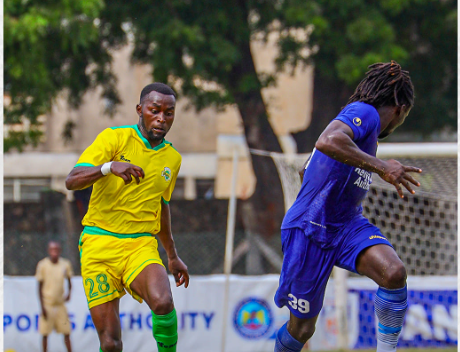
x=382, y=264
x=390, y=308
x=164, y=329
x=285, y=342
x=294, y=337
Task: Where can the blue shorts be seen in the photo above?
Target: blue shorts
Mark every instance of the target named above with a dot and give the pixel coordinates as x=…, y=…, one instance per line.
x=307, y=267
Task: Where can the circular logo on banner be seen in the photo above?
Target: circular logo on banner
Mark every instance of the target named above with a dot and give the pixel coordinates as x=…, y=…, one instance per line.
x=252, y=318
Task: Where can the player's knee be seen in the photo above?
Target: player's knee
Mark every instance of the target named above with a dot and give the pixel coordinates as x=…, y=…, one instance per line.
x=307, y=333
x=110, y=344
x=396, y=276
x=162, y=305
x=303, y=332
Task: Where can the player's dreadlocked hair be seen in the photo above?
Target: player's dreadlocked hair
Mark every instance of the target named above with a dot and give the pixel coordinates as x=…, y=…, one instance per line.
x=385, y=84
x=157, y=87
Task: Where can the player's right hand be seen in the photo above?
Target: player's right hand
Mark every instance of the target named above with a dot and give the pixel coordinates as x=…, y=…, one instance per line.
x=397, y=174
x=179, y=270
x=127, y=171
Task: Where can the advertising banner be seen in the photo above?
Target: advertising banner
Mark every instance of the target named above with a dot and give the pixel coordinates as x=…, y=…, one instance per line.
x=248, y=324
x=431, y=318
x=251, y=320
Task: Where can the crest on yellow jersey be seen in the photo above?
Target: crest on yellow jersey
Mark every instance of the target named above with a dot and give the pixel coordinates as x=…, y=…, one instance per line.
x=166, y=173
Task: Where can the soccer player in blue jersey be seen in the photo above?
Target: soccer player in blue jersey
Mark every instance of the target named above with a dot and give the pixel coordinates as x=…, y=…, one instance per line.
x=325, y=226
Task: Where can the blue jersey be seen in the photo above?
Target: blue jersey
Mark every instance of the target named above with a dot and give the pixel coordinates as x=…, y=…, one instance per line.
x=332, y=192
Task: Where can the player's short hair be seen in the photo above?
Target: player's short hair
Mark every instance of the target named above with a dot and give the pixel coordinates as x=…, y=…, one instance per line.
x=54, y=242
x=157, y=87
x=385, y=84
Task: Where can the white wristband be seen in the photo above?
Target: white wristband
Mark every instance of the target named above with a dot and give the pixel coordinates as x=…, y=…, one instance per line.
x=105, y=169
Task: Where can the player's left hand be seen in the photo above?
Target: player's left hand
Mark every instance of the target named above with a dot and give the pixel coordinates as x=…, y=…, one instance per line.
x=67, y=299
x=179, y=271
x=397, y=174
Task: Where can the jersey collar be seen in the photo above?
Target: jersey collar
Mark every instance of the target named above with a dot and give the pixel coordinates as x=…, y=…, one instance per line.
x=163, y=143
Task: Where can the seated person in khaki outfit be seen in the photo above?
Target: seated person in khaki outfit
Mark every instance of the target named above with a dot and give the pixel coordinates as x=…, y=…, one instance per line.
x=51, y=272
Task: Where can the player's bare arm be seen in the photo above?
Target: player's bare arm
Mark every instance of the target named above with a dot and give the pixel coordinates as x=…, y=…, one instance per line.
x=82, y=177
x=337, y=142
x=69, y=282
x=40, y=295
x=175, y=264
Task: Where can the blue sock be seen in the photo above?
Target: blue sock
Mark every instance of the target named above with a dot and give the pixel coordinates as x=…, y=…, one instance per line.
x=390, y=308
x=285, y=342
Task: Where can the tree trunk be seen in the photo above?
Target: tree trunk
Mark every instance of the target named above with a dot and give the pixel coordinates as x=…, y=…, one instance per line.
x=267, y=200
x=329, y=97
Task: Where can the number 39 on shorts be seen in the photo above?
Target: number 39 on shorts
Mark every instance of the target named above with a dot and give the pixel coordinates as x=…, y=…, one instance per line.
x=302, y=305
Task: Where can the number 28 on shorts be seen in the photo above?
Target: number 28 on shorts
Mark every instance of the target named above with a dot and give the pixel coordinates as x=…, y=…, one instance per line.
x=102, y=285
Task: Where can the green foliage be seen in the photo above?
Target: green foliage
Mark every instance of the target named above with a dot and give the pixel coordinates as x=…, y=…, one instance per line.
x=358, y=34
x=205, y=41
x=416, y=33
x=428, y=29
x=50, y=46
x=346, y=37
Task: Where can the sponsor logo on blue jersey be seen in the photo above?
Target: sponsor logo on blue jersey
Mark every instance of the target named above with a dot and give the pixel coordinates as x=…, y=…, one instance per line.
x=375, y=236
x=253, y=318
x=364, y=180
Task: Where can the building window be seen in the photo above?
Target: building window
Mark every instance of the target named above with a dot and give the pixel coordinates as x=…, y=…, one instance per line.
x=26, y=190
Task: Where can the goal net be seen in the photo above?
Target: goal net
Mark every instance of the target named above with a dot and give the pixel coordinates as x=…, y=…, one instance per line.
x=422, y=227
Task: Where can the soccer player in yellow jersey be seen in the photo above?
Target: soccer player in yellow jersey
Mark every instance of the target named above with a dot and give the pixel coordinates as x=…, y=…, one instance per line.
x=134, y=170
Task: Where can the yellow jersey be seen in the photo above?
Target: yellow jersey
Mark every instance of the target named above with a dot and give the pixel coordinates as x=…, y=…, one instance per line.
x=119, y=209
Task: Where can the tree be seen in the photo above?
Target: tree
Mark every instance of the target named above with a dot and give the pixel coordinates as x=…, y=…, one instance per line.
x=428, y=30
x=204, y=48
x=416, y=33
x=51, y=46
x=207, y=42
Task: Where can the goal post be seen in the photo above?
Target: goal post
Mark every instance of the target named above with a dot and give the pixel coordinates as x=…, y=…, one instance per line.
x=422, y=227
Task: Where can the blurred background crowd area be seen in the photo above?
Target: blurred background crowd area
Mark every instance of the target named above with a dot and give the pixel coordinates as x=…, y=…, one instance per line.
x=250, y=76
